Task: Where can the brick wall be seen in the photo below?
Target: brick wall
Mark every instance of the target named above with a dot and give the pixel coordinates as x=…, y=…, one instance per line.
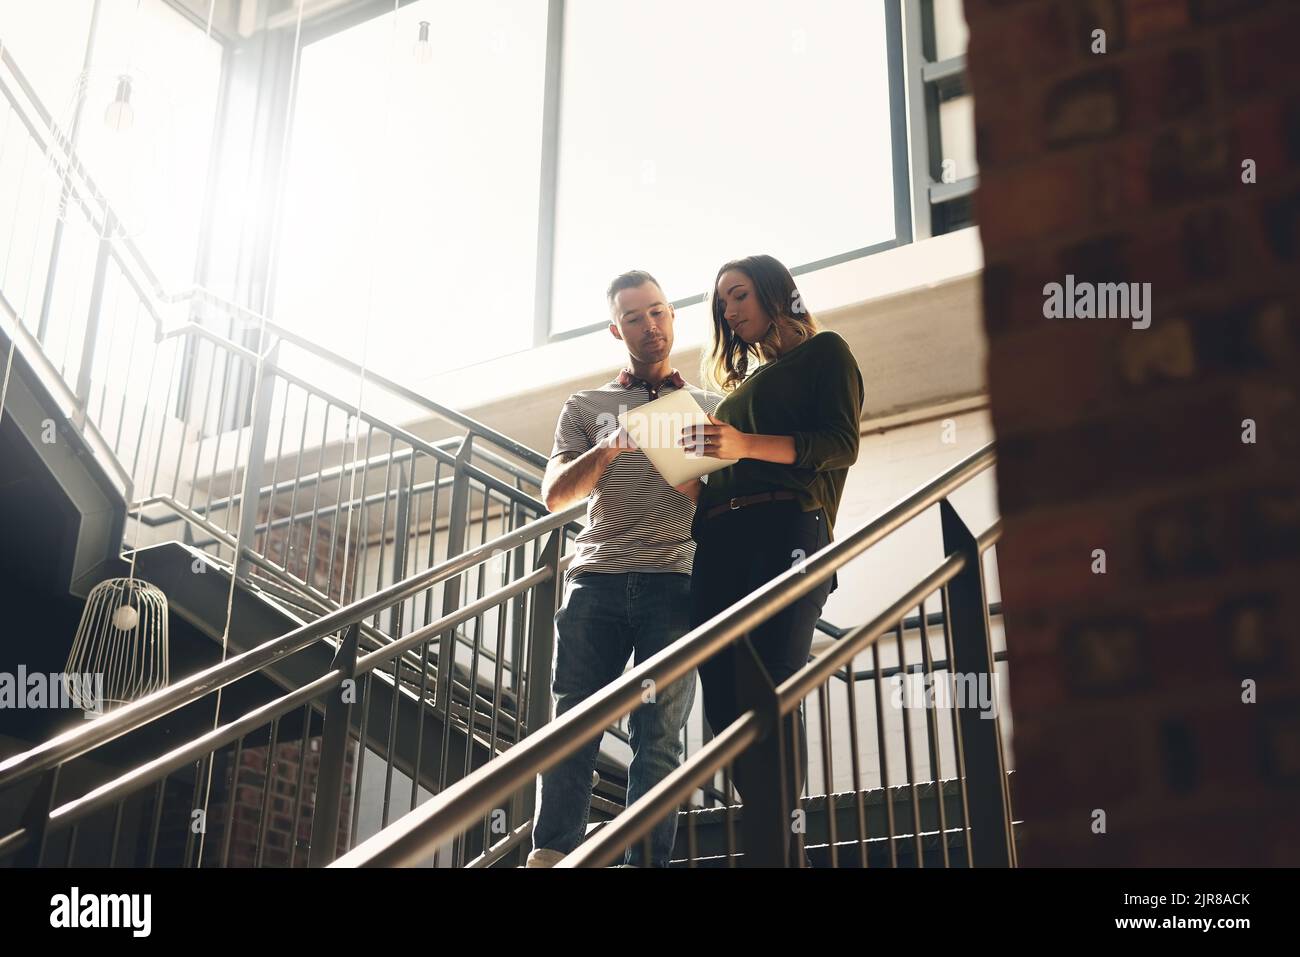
x=1127, y=166
x=247, y=816
x=324, y=540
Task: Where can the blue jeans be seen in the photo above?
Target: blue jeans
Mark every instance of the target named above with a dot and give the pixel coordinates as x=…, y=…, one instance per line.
x=605, y=619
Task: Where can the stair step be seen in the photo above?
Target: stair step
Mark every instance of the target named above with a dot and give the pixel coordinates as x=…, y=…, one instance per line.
x=850, y=853
x=710, y=824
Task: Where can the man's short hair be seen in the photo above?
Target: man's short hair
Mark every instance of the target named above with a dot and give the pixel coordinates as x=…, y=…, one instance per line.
x=629, y=280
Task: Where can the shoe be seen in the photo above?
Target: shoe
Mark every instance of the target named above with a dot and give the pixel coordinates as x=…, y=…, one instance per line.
x=543, y=857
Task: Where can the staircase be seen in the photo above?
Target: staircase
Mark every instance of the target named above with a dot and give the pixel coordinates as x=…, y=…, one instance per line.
x=374, y=607
x=855, y=839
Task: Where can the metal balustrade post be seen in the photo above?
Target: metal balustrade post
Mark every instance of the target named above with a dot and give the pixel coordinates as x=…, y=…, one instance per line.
x=36, y=819
x=546, y=602
x=91, y=339
x=251, y=498
x=541, y=650
x=333, y=754
x=981, y=735
x=401, y=530
x=765, y=823
x=518, y=562
x=457, y=523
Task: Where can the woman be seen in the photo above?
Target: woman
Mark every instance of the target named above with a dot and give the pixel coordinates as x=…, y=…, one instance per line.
x=793, y=425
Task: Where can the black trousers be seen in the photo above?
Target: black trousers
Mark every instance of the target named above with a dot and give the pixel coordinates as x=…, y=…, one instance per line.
x=736, y=553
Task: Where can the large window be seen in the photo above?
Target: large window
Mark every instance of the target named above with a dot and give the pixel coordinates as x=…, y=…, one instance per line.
x=692, y=133
x=668, y=135
x=413, y=186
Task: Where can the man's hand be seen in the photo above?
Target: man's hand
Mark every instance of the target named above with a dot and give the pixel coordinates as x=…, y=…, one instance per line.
x=570, y=478
x=691, y=489
x=618, y=440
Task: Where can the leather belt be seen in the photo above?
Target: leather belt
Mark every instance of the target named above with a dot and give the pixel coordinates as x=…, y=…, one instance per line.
x=745, y=500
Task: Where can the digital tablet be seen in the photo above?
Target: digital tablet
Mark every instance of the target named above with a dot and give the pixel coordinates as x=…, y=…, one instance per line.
x=656, y=426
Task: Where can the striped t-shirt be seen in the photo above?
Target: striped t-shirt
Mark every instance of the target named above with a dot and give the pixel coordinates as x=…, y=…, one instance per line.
x=636, y=521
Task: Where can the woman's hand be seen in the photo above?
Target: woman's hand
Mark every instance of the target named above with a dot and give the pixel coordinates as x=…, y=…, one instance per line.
x=716, y=441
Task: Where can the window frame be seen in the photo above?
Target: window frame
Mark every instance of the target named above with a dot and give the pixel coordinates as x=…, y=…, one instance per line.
x=543, y=325
x=900, y=125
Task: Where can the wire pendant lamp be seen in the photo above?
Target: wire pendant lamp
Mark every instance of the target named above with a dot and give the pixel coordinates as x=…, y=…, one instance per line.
x=120, y=651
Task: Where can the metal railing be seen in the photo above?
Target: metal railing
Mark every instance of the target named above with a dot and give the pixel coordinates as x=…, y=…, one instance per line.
x=323, y=505
x=342, y=501
x=762, y=736
x=334, y=708
x=173, y=398
x=309, y=498
x=192, y=423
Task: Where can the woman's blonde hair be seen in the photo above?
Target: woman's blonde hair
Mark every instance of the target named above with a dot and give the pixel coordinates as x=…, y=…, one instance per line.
x=725, y=365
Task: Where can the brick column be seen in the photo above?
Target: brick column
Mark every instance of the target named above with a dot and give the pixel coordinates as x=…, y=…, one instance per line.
x=1131, y=445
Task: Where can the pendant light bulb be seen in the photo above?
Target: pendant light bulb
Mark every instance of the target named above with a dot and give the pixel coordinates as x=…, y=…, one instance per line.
x=119, y=116
x=422, y=49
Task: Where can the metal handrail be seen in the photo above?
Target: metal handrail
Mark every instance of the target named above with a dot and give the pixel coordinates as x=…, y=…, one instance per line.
x=397, y=432
x=513, y=462
x=203, y=294
x=407, y=841
x=306, y=634
x=667, y=794
x=77, y=742
x=815, y=673
x=42, y=127
x=332, y=472
x=489, y=482
x=22, y=339
x=507, y=497
x=912, y=623
x=532, y=456
x=125, y=784
x=665, y=797
x=297, y=590
x=129, y=782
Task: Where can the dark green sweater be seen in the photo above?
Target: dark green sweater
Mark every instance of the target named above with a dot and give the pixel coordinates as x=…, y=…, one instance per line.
x=814, y=392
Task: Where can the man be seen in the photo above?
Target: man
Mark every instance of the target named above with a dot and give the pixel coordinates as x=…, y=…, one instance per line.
x=628, y=589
